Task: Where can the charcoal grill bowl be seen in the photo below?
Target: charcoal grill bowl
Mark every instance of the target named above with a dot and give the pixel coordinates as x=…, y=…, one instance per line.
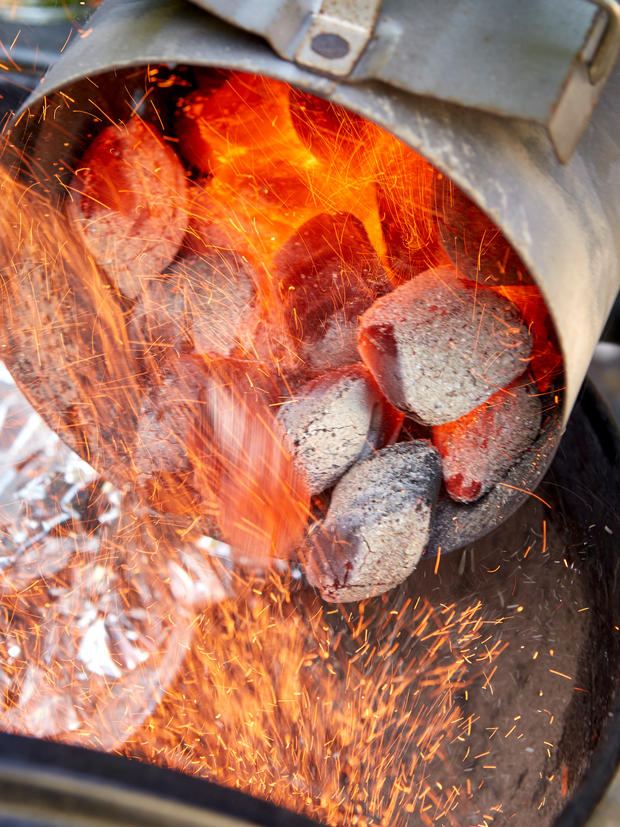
x=44, y=783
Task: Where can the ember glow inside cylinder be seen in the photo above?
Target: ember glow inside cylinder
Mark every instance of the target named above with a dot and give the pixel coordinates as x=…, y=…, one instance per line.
x=264, y=312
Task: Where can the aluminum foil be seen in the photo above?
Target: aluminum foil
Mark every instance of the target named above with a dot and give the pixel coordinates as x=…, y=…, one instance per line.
x=97, y=598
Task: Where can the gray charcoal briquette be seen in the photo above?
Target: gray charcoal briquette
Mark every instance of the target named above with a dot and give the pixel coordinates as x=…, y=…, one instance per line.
x=328, y=422
x=377, y=524
x=439, y=347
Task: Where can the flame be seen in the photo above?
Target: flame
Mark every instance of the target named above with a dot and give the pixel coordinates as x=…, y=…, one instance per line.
x=546, y=362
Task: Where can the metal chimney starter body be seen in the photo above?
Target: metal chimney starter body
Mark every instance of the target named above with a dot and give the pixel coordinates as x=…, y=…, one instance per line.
x=500, y=139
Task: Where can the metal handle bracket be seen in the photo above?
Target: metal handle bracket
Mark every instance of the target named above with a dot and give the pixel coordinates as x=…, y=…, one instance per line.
x=337, y=35
x=526, y=60
x=608, y=48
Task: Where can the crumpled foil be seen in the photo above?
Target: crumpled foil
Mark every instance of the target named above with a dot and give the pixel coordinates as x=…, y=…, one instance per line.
x=98, y=596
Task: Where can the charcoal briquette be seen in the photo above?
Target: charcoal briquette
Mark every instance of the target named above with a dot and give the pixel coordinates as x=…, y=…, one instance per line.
x=479, y=448
x=330, y=422
x=377, y=524
x=473, y=243
x=328, y=130
x=129, y=203
x=329, y=274
x=439, y=347
x=219, y=294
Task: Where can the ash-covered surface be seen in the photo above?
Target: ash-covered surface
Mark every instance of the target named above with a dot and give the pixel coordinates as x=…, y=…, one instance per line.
x=548, y=583
x=550, y=573
x=438, y=349
x=536, y=690
x=534, y=718
x=329, y=423
x=377, y=523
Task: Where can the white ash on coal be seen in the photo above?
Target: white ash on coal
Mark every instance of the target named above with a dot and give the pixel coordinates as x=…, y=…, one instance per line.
x=128, y=201
x=438, y=348
x=329, y=273
x=219, y=290
x=331, y=421
x=478, y=449
x=377, y=524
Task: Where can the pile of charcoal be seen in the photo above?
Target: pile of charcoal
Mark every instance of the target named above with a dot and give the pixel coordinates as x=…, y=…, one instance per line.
x=301, y=292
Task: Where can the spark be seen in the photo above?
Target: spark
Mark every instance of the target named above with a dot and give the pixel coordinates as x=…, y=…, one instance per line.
x=525, y=491
x=561, y=674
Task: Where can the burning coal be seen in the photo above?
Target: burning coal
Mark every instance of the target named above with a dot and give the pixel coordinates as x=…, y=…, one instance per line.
x=243, y=292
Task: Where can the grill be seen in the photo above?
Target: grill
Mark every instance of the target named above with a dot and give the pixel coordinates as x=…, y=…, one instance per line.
x=474, y=642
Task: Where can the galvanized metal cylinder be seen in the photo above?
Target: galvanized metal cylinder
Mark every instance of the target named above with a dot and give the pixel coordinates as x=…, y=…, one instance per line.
x=563, y=220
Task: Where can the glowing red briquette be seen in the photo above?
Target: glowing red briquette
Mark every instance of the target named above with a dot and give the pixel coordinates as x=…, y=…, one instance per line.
x=328, y=130
x=329, y=274
x=479, y=448
x=243, y=112
x=129, y=203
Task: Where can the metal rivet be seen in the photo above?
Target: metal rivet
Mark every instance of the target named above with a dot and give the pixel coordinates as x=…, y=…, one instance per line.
x=329, y=45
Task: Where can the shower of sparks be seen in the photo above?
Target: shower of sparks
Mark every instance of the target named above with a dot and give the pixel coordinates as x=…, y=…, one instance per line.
x=344, y=715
